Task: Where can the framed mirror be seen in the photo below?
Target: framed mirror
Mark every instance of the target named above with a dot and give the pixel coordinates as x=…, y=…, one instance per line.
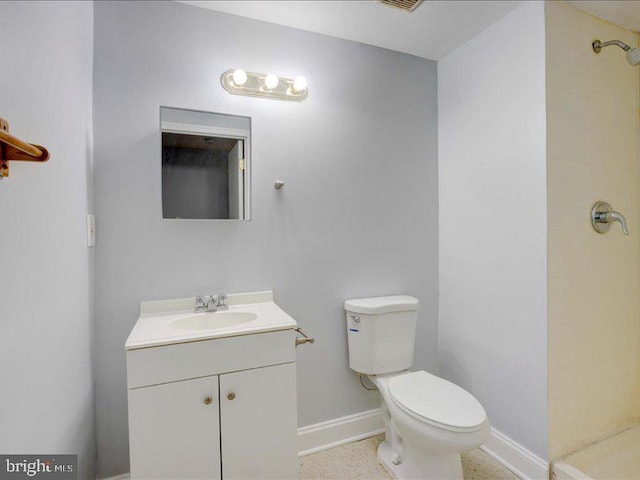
x=206, y=165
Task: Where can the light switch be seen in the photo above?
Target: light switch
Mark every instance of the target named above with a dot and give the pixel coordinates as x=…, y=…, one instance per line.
x=91, y=230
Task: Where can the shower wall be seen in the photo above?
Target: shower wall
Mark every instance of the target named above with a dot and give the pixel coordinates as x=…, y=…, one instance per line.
x=594, y=279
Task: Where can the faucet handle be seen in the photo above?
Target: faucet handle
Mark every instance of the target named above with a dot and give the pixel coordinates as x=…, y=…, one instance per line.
x=201, y=304
x=222, y=301
x=618, y=217
x=602, y=215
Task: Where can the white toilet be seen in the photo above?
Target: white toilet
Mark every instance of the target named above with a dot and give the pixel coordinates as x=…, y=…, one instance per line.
x=428, y=420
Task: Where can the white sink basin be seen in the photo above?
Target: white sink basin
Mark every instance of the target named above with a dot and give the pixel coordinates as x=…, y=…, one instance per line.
x=212, y=320
x=168, y=322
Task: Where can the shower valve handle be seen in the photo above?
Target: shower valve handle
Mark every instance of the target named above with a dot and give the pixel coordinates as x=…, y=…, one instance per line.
x=618, y=217
x=602, y=215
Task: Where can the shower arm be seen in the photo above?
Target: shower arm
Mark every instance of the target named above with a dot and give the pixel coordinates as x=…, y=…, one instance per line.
x=597, y=45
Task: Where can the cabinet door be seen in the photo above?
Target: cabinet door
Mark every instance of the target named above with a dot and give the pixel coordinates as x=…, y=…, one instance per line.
x=259, y=423
x=174, y=430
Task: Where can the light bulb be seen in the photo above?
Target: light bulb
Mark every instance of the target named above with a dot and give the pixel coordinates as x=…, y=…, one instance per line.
x=239, y=77
x=299, y=84
x=271, y=81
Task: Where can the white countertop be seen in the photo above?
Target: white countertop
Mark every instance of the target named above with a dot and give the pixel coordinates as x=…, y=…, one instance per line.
x=152, y=328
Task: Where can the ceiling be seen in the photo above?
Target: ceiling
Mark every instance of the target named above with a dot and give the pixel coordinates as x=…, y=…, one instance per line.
x=434, y=29
x=623, y=13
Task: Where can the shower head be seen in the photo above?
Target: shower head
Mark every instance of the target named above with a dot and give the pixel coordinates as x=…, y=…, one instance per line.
x=633, y=57
x=633, y=54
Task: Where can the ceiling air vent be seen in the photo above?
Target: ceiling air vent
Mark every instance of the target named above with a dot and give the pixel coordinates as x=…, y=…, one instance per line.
x=408, y=5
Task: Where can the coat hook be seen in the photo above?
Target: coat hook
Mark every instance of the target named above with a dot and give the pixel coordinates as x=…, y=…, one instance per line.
x=12, y=148
x=278, y=185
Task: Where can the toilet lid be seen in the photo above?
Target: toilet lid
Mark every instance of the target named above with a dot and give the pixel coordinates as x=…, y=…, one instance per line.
x=437, y=400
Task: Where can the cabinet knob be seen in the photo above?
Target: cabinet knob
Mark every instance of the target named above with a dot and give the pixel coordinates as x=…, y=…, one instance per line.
x=231, y=396
x=208, y=400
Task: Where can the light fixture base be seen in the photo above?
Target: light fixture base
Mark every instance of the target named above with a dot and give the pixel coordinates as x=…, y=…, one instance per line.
x=255, y=87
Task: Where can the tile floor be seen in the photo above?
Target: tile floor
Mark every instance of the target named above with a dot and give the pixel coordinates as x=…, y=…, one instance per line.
x=358, y=461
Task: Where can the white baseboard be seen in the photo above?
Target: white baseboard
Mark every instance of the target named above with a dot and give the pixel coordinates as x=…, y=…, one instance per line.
x=563, y=471
x=339, y=431
x=524, y=463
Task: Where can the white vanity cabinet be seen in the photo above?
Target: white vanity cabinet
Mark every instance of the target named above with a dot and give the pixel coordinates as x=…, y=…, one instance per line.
x=174, y=430
x=216, y=408
x=259, y=430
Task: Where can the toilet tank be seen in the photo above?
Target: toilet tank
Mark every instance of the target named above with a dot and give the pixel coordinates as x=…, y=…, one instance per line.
x=381, y=333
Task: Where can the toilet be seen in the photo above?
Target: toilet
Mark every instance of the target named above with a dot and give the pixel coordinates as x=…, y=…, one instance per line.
x=428, y=420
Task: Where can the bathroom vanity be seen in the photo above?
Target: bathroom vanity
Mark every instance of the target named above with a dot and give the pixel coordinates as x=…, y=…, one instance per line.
x=213, y=395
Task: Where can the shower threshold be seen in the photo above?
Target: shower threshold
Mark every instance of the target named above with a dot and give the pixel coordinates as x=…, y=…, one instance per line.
x=614, y=458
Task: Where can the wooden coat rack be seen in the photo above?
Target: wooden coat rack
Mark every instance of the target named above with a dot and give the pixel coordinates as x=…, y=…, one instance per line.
x=12, y=149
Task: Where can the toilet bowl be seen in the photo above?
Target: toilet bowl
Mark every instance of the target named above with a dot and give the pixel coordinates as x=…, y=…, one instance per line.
x=428, y=423
x=428, y=420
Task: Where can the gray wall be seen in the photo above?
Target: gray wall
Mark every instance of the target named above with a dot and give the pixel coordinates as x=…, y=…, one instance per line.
x=47, y=402
x=493, y=223
x=357, y=217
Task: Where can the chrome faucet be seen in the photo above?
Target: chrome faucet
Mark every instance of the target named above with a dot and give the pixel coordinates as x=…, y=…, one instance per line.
x=602, y=215
x=217, y=303
x=211, y=303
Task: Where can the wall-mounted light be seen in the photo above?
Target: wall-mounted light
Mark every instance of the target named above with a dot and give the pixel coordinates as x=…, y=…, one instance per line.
x=240, y=82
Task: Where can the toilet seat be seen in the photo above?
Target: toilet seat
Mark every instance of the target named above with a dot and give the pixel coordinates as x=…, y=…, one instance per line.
x=436, y=401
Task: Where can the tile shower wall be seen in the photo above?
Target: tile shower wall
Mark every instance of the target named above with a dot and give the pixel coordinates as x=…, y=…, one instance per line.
x=594, y=280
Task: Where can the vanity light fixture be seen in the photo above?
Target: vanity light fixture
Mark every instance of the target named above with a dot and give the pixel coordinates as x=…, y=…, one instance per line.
x=239, y=82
